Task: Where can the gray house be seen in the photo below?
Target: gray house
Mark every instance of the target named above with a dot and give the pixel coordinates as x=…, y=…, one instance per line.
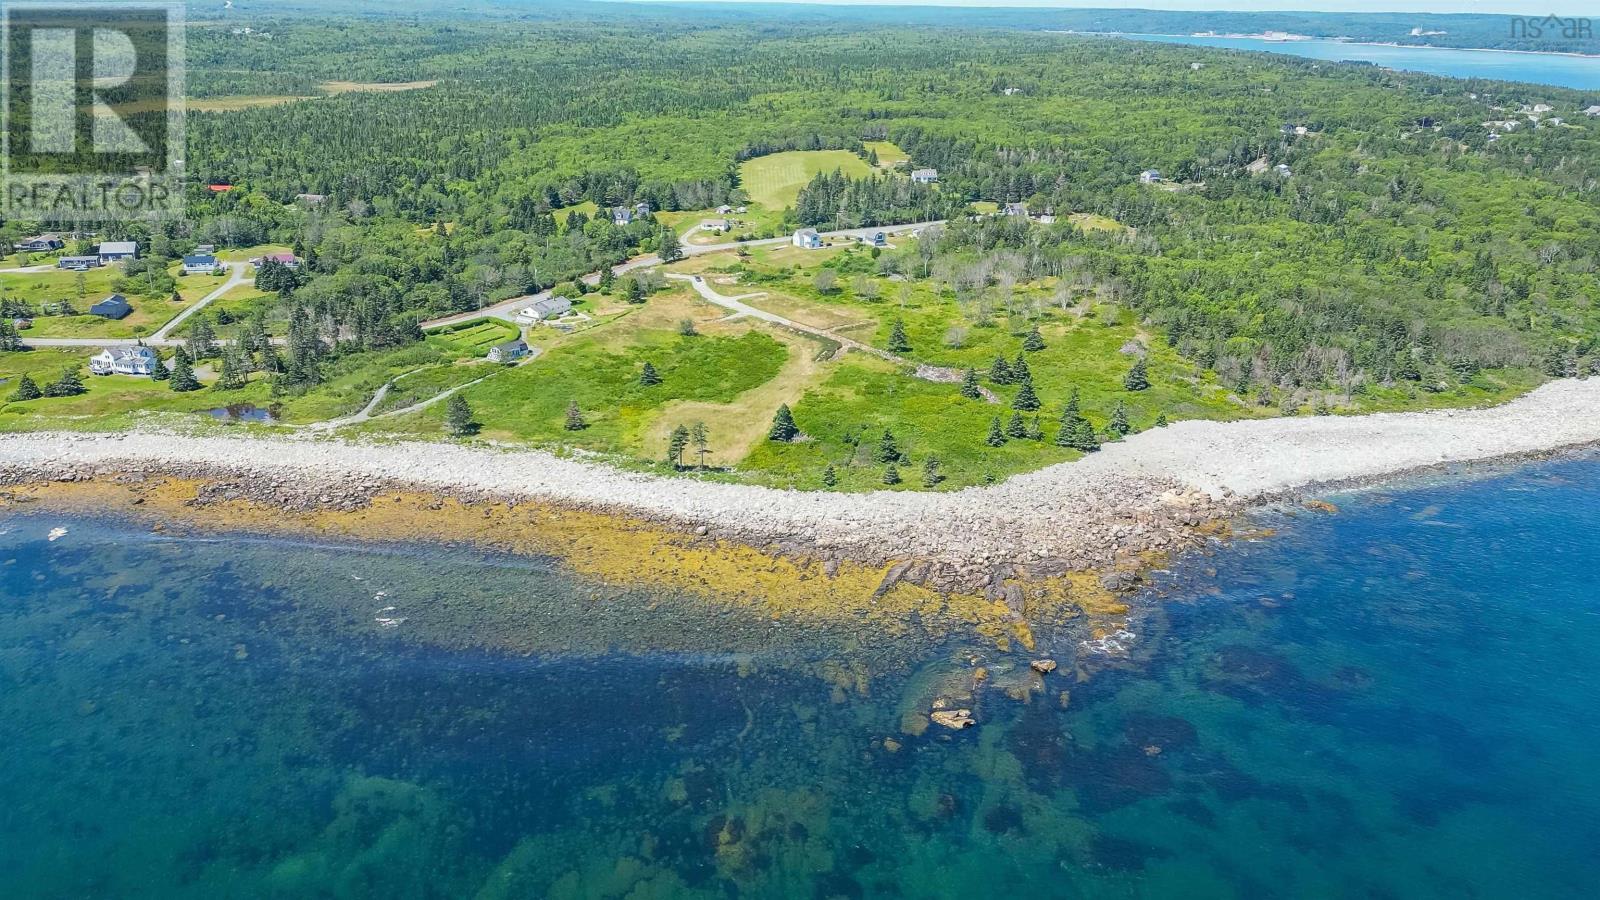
x=115, y=251
x=510, y=351
x=113, y=307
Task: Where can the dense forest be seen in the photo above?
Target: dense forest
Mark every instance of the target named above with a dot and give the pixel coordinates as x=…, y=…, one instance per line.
x=1405, y=244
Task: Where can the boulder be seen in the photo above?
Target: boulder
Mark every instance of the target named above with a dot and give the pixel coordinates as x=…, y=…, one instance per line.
x=954, y=719
x=1043, y=666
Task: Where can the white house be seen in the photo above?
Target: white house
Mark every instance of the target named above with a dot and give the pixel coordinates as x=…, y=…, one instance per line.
x=1150, y=176
x=808, y=239
x=510, y=351
x=1592, y=111
x=1282, y=170
x=199, y=264
x=124, y=361
x=925, y=176
x=1016, y=209
x=116, y=251
x=548, y=308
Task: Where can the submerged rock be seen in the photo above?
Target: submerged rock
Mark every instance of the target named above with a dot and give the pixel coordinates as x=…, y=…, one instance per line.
x=955, y=719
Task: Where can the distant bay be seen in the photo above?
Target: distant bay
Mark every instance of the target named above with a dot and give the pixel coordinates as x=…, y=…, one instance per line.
x=1558, y=69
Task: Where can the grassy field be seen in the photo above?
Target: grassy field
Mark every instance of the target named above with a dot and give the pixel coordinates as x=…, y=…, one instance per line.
x=239, y=305
x=734, y=374
x=148, y=315
x=328, y=88
x=889, y=155
x=775, y=181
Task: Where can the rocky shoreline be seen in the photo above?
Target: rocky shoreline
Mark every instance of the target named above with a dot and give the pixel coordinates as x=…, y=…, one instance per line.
x=1159, y=492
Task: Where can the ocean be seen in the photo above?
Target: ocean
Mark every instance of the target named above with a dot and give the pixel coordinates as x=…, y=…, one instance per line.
x=1581, y=72
x=1396, y=700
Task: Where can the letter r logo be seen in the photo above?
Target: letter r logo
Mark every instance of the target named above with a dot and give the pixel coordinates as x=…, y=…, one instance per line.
x=90, y=80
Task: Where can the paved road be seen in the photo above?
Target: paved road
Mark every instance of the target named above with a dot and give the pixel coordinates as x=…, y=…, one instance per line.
x=507, y=310
x=238, y=274
x=162, y=338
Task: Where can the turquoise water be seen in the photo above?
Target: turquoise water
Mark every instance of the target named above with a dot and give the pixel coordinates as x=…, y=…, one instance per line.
x=1536, y=68
x=1395, y=701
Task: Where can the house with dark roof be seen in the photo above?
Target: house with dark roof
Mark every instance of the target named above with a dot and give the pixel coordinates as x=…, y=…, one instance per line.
x=116, y=251
x=510, y=351
x=113, y=307
x=78, y=263
x=44, y=243
x=200, y=264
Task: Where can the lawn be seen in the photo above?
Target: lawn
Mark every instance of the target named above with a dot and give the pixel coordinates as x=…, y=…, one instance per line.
x=775, y=181
x=239, y=305
x=529, y=403
x=889, y=155
x=148, y=315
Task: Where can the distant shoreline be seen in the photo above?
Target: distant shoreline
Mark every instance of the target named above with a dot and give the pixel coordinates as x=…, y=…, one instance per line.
x=1302, y=39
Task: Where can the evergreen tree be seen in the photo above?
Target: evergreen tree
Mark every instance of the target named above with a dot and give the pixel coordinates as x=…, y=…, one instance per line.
x=969, y=385
x=575, y=420
x=783, y=427
x=202, y=341
x=1016, y=427
x=1076, y=432
x=898, y=342
x=26, y=390
x=1020, y=371
x=830, y=478
x=70, y=384
x=891, y=476
x=648, y=376
x=1138, y=377
x=888, y=449
x=459, y=416
x=996, y=438
x=635, y=291
x=670, y=250
x=182, y=380
x=1405, y=367
x=1000, y=371
x=9, y=339
x=1161, y=420
x=676, y=444
x=686, y=328
x=1026, y=400
x=988, y=478
x=1119, y=421
x=1034, y=341
x=232, y=376
x=160, y=372
x=930, y=473
x=701, y=437
x=608, y=279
